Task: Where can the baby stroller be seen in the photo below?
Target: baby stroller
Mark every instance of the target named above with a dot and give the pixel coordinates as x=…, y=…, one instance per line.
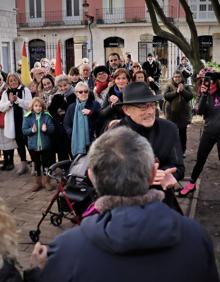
x=74, y=193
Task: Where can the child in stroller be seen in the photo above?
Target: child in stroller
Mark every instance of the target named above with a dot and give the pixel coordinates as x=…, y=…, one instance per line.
x=74, y=193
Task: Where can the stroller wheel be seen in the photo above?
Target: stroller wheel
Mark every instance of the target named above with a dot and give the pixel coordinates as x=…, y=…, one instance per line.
x=34, y=235
x=56, y=220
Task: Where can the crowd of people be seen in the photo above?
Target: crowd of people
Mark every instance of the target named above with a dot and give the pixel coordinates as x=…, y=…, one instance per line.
x=137, y=159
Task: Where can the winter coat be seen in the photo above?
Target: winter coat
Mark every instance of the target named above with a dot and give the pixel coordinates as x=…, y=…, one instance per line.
x=7, y=108
x=59, y=105
x=177, y=106
x=153, y=70
x=108, y=112
x=209, y=107
x=164, y=139
x=92, y=118
x=29, y=121
x=133, y=243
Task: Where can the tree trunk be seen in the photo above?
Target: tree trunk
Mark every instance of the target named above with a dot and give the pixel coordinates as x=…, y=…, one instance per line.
x=190, y=49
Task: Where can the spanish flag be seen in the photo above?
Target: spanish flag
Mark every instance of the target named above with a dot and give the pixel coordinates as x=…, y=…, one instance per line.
x=58, y=67
x=25, y=69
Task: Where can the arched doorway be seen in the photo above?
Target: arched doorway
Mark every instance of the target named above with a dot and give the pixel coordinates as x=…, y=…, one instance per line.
x=70, y=57
x=113, y=44
x=37, y=51
x=205, y=47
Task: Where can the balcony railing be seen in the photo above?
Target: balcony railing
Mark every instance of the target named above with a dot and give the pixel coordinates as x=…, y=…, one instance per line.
x=50, y=18
x=103, y=16
x=130, y=14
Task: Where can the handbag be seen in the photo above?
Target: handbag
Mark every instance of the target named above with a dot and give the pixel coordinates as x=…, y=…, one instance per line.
x=2, y=117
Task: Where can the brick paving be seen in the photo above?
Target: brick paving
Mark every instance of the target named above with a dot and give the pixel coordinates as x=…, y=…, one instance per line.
x=27, y=207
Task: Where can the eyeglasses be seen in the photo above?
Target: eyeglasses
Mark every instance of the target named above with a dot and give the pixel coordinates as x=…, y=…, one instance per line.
x=135, y=66
x=177, y=76
x=101, y=73
x=145, y=106
x=83, y=91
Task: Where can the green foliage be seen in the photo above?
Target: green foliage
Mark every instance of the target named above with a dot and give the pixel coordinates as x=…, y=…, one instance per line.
x=214, y=65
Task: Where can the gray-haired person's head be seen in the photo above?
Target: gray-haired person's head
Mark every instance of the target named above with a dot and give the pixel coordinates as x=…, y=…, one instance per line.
x=121, y=162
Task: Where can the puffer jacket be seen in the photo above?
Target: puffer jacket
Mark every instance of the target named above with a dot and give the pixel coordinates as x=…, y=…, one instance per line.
x=33, y=138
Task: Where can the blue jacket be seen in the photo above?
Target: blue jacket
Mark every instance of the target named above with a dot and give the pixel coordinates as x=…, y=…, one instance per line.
x=28, y=121
x=133, y=243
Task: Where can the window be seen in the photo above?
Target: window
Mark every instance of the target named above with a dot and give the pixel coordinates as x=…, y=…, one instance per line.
x=202, y=10
x=113, y=11
x=6, y=56
x=72, y=8
x=35, y=9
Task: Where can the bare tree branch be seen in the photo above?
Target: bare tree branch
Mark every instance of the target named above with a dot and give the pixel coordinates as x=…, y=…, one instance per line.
x=183, y=45
x=167, y=22
x=190, y=49
x=192, y=27
x=216, y=8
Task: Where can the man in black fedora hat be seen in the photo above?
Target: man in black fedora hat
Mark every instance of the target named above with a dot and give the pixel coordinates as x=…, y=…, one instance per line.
x=139, y=105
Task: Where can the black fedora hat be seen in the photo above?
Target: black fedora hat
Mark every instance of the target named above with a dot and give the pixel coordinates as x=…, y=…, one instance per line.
x=100, y=69
x=138, y=93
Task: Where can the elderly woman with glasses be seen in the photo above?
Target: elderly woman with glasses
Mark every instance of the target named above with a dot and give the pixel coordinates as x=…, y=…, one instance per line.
x=80, y=120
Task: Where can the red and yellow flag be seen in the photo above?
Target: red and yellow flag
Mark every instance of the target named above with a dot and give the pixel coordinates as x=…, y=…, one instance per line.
x=58, y=67
x=25, y=69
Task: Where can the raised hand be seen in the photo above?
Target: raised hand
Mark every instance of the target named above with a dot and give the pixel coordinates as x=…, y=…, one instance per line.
x=34, y=128
x=44, y=127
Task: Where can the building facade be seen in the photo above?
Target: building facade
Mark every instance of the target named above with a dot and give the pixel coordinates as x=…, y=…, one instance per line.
x=8, y=33
x=123, y=26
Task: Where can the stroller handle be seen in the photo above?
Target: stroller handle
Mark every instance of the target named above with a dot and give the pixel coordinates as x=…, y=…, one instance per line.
x=53, y=167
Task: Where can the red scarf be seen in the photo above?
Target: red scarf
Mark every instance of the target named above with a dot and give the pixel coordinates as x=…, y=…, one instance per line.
x=100, y=86
x=213, y=88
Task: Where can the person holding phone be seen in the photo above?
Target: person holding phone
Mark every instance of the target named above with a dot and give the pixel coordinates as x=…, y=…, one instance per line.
x=209, y=107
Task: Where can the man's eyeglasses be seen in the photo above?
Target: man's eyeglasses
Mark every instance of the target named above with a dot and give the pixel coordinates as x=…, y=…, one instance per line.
x=135, y=66
x=83, y=91
x=145, y=106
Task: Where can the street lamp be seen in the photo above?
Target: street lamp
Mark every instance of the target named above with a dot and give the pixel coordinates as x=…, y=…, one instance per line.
x=90, y=22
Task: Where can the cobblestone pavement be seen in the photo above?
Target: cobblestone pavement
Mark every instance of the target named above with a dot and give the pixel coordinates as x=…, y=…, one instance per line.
x=27, y=207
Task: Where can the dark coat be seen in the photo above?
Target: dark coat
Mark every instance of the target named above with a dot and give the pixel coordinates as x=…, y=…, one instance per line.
x=134, y=243
x=108, y=112
x=164, y=139
x=29, y=121
x=92, y=118
x=57, y=109
x=209, y=106
x=59, y=105
x=153, y=70
x=177, y=107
